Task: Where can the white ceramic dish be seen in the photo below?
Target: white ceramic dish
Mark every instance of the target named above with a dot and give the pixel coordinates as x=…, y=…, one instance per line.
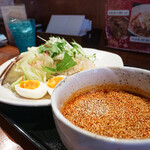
x=75, y=138
x=7, y=96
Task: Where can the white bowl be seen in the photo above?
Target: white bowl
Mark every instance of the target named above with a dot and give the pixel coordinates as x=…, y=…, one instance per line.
x=76, y=138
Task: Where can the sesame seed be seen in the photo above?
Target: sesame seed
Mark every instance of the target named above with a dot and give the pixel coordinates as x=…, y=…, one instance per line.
x=110, y=112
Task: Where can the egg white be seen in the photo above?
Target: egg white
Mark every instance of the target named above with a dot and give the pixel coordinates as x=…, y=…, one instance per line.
x=36, y=93
x=50, y=90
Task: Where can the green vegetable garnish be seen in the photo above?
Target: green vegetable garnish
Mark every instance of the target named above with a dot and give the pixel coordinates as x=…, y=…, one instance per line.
x=61, y=44
x=17, y=82
x=48, y=69
x=51, y=50
x=66, y=63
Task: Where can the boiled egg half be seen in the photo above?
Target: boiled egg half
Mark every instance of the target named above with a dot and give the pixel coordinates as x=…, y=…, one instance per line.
x=53, y=82
x=31, y=89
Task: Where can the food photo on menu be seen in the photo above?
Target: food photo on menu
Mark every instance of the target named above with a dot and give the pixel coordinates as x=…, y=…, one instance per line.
x=128, y=25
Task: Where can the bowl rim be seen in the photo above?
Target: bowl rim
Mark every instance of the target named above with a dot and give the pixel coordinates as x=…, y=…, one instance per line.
x=63, y=120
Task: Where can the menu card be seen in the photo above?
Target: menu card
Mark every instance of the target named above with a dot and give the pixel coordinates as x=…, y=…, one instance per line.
x=128, y=24
x=75, y=25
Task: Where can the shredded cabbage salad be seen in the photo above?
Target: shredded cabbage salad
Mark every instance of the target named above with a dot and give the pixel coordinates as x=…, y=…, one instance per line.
x=56, y=56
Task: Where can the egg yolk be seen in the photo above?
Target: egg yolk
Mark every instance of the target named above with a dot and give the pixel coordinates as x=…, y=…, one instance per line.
x=54, y=81
x=29, y=84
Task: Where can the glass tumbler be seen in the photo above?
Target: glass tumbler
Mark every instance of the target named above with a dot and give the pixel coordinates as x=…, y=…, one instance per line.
x=23, y=32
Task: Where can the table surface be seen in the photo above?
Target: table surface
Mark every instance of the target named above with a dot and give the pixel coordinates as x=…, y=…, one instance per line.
x=10, y=138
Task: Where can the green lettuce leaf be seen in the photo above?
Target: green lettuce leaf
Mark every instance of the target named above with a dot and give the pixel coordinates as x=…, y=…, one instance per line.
x=66, y=63
x=48, y=69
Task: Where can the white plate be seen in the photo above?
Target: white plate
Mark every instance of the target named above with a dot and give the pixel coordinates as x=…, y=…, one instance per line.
x=7, y=96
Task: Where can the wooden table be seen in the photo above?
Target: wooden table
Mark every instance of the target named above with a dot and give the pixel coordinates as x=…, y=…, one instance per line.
x=7, y=52
x=10, y=138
